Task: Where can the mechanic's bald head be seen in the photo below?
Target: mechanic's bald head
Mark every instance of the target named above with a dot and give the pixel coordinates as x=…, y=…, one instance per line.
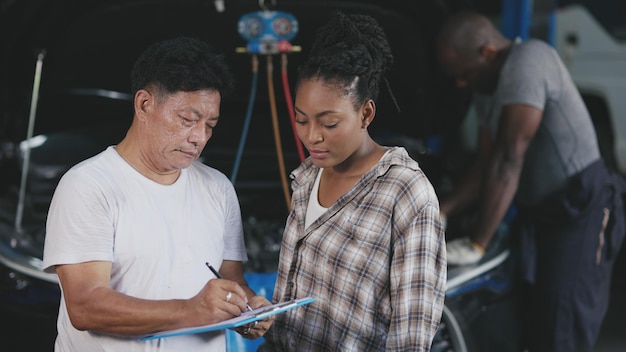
x=471, y=51
x=467, y=32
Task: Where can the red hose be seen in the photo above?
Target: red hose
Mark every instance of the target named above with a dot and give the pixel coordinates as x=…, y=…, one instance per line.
x=292, y=113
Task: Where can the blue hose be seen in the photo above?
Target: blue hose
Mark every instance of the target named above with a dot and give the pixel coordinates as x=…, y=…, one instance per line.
x=246, y=124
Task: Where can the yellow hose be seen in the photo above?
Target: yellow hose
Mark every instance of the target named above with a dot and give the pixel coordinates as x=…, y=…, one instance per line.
x=279, y=149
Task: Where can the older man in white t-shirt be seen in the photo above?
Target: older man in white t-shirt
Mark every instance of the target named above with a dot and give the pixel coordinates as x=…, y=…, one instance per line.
x=129, y=230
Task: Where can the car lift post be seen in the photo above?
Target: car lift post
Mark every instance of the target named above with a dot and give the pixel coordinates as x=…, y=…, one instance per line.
x=529, y=18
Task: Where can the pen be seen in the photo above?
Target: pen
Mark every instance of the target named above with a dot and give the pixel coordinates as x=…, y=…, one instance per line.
x=219, y=276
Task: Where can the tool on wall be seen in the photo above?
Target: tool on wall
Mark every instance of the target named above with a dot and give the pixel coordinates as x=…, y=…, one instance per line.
x=269, y=33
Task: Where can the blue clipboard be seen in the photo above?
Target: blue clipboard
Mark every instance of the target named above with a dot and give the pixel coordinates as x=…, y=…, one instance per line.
x=245, y=318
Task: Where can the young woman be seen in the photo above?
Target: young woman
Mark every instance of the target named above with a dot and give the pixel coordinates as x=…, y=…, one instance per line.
x=364, y=234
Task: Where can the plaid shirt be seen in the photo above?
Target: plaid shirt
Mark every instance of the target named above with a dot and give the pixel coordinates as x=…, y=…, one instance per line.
x=375, y=260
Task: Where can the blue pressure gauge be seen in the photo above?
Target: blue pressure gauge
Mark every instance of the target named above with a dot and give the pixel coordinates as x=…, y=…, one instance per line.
x=265, y=29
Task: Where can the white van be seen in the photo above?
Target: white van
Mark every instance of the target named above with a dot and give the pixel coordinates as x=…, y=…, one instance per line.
x=591, y=40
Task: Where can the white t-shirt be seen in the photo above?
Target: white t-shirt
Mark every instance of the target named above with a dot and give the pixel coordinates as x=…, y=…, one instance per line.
x=157, y=237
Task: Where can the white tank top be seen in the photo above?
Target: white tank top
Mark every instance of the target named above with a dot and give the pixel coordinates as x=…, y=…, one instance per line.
x=314, y=209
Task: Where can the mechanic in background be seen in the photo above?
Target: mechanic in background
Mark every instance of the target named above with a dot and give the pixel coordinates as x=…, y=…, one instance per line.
x=538, y=150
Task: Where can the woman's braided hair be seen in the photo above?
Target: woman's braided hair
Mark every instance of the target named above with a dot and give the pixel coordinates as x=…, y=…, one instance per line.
x=351, y=53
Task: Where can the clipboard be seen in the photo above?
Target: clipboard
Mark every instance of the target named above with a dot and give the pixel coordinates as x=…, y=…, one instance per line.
x=245, y=318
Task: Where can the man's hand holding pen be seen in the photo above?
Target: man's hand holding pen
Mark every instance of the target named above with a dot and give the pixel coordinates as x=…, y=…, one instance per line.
x=219, y=299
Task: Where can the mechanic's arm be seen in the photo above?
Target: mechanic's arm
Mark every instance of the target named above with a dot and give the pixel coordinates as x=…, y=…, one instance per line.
x=468, y=191
x=518, y=126
x=93, y=305
x=233, y=270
